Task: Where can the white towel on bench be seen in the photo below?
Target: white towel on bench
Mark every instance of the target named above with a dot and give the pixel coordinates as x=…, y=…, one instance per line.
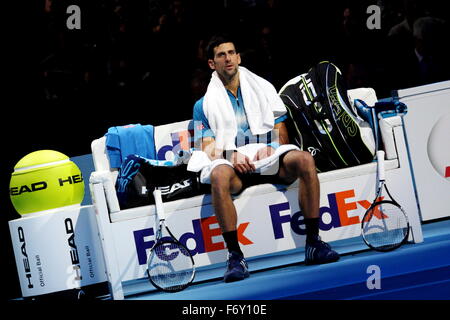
x=268, y=166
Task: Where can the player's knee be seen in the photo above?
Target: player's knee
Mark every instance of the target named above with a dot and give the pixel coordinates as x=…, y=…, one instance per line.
x=305, y=163
x=220, y=177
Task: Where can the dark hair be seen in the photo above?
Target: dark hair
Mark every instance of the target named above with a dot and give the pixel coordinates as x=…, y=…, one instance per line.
x=216, y=41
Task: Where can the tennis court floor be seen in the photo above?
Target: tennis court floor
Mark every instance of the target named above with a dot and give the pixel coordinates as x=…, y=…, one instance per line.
x=414, y=271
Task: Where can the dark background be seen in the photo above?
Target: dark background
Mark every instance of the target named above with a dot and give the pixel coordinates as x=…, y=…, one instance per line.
x=144, y=59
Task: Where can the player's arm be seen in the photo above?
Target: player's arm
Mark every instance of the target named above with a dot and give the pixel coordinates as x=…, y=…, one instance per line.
x=240, y=162
x=208, y=143
x=203, y=133
x=281, y=136
x=281, y=133
x=209, y=147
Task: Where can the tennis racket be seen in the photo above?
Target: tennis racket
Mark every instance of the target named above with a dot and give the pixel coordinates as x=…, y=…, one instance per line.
x=170, y=265
x=385, y=225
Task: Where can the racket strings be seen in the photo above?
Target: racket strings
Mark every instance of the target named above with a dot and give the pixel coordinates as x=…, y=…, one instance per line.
x=385, y=226
x=170, y=266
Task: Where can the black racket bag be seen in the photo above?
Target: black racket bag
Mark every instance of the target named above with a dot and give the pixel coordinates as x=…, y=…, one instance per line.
x=138, y=177
x=322, y=121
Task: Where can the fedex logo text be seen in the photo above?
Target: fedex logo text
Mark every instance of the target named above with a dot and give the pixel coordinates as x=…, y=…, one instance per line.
x=336, y=215
x=204, y=232
x=206, y=235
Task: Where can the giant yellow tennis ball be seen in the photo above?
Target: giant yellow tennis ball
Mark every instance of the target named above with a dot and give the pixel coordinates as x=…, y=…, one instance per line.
x=44, y=180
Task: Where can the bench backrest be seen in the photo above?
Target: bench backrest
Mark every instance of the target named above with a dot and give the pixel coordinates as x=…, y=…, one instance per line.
x=172, y=137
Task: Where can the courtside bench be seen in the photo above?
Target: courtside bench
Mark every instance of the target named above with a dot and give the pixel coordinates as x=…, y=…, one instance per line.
x=269, y=218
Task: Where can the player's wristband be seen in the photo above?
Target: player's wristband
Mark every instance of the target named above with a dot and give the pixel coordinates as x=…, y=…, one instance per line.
x=228, y=154
x=274, y=145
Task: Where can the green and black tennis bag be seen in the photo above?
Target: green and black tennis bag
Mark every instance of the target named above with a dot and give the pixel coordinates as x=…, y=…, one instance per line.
x=321, y=119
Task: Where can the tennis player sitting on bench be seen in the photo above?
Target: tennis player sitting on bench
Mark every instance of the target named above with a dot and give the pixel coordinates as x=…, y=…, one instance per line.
x=258, y=110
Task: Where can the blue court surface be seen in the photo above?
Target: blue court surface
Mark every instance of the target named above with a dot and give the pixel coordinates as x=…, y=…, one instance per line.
x=414, y=271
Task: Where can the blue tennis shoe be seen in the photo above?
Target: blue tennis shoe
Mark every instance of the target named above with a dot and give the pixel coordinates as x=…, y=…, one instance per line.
x=237, y=268
x=319, y=252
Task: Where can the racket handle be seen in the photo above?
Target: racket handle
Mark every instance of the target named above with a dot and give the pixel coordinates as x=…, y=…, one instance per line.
x=159, y=205
x=380, y=168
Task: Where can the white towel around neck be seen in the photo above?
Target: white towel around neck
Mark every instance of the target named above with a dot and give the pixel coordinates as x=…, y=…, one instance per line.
x=261, y=103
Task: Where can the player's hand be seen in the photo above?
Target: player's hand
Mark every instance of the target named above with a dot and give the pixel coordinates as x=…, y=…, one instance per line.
x=242, y=163
x=263, y=153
